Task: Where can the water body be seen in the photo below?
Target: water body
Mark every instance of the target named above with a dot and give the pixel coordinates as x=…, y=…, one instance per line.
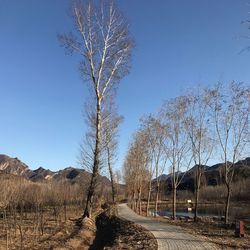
x=241, y=212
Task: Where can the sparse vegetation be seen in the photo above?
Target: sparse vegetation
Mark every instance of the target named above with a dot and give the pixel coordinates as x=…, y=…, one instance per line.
x=31, y=212
x=171, y=156
x=213, y=123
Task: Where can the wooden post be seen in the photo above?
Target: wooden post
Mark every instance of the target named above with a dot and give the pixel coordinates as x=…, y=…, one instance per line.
x=239, y=228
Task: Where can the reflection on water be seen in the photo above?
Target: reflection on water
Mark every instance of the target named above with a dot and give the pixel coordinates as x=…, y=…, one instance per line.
x=235, y=212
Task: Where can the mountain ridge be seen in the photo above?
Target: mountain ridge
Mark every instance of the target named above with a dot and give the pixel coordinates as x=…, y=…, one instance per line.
x=212, y=175
x=14, y=166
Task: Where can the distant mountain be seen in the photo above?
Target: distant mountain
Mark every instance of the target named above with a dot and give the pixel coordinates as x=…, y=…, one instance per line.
x=72, y=175
x=162, y=177
x=165, y=177
x=41, y=174
x=14, y=166
x=212, y=175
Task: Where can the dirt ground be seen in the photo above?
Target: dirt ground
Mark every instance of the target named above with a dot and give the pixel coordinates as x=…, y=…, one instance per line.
x=46, y=233
x=106, y=232
x=115, y=233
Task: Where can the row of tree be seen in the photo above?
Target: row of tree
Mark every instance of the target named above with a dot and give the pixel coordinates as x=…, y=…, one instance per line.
x=190, y=130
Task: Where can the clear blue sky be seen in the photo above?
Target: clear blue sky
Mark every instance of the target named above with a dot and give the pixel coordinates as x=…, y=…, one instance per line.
x=180, y=44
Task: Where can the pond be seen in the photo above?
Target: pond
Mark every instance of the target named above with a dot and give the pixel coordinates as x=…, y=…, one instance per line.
x=241, y=212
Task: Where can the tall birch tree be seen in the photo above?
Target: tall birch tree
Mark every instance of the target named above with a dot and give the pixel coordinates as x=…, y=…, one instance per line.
x=103, y=43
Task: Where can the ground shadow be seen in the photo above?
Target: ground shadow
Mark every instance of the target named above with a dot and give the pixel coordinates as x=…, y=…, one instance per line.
x=106, y=231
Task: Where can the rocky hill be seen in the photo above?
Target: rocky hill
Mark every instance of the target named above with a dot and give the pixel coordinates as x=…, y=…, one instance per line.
x=212, y=175
x=14, y=166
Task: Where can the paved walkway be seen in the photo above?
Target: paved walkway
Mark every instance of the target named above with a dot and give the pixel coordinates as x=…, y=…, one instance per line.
x=168, y=236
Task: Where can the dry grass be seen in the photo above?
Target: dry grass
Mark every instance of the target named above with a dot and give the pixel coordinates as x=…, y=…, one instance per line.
x=27, y=234
x=218, y=193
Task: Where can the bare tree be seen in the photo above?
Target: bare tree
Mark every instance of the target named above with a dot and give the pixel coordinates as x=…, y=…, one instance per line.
x=117, y=180
x=102, y=40
x=230, y=110
x=111, y=122
x=146, y=128
x=177, y=142
x=135, y=169
x=129, y=179
x=197, y=124
x=156, y=135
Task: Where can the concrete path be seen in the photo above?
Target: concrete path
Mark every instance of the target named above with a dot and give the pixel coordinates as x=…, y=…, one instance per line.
x=168, y=236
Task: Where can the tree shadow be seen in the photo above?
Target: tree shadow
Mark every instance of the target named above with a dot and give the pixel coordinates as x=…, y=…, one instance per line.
x=106, y=231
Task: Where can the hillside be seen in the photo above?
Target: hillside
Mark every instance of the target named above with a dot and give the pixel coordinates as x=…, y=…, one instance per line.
x=212, y=175
x=16, y=167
